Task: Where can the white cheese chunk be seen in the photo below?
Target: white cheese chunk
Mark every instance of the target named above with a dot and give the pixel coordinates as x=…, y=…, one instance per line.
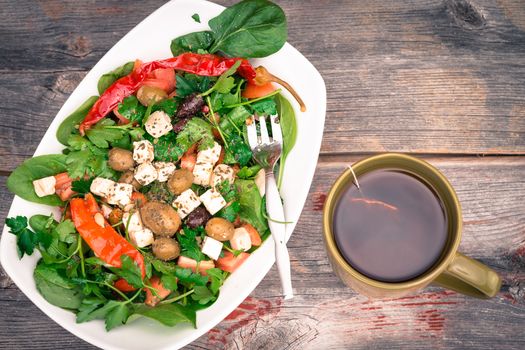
x=186, y=202
x=210, y=155
x=45, y=186
x=145, y=174
x=120, y=194
x=221, y=173
x=241, y=239
x=142, y=238
x=102, y=187
x=202, y=173
x=213, y=201
x=132, y=222
x=260, y=182
x=143, y=151
x=164, y=170
x=158, y=124
x=211, y=247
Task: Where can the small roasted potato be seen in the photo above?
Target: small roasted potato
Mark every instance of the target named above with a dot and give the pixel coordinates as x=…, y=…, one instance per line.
x=166, y=248
x=219, y=229
x=160, y=218
x=120, y=159
x=128, y=177
x=148, y=95
x=180, y=181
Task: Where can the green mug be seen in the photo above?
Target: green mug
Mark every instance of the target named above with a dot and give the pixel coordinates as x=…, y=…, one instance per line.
x=453, y=270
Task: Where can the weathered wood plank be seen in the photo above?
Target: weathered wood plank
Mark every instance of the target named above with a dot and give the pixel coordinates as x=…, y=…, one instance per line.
x=326, y=314
x=422, y=77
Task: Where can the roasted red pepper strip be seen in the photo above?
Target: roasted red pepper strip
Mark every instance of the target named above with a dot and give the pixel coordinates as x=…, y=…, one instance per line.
x=206, y=65
x=106, y=243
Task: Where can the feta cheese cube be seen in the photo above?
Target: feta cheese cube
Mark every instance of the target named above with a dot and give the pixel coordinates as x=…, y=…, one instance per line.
x=45, y=186
x=202, y=173
x=241, y=239
x=120, y=194
x=141, y=238
x=143, y=151
x=132, y=222
x=221, y=173
x=213, y=201
x=145, y=174
x=164, y=170
x=186, y=202
x=102, y=187
x=158, y=124
x=210, y=155
x=260, y=181
x=211, y=247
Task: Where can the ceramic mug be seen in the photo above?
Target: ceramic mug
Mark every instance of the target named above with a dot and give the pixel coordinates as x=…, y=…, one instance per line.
x=453, y=270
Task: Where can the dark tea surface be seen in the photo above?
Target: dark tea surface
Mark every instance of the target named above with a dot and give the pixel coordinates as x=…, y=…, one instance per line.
x=393, y=229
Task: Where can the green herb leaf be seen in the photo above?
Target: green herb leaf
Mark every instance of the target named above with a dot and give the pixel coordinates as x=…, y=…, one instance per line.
x=108, y=79
x=234, y=120
x=188, y=243
x=237, y=151
x=117, y=316
x=130, y=271
x=250, y=28
x=81, y=185
x=225, y=82
x=130, y=108
x=66, y=231
x=25, y=238
x=88, y=305
x=20, y=182
x=188, y=84
x=192, y=42
x=251, y=204
x=169, y=106
x=203, y=295
x=265, y=107
x=196, y=17
x=101, y=136
x=217, y=277
x=230, y=212
x=248, y=172
x=169, y=282
x=168, y=314
x=69, y=126
x=196, y=130
x=55, y=288
x=189, y=277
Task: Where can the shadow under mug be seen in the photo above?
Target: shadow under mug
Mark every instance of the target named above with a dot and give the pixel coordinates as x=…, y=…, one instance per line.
x=452, y=270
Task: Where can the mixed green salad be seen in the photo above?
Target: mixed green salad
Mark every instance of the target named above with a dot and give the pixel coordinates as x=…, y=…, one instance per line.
x=160, y=198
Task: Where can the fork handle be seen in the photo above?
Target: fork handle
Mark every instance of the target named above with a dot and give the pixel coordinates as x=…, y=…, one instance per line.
x=275, y=210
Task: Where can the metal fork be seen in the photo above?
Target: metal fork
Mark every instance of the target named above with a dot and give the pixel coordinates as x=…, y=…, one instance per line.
x=266, y=152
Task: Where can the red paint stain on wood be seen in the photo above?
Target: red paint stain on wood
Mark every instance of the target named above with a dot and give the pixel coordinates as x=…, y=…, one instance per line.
x=251, y=310
x=431, y=320
x=318, y=199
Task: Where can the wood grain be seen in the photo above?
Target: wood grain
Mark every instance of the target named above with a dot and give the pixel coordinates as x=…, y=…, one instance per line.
x=326, y=314
x=412, y=76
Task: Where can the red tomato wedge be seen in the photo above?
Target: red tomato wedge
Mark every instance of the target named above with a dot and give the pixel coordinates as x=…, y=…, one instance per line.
x=189, y=263
x=255, y=237
x=124, y=286
x=230, y=263
x=189, y=158
x=63, y=186
x=152, y=299
x=256, y=91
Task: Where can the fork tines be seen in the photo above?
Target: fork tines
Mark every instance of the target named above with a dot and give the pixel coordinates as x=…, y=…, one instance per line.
x=264, y=137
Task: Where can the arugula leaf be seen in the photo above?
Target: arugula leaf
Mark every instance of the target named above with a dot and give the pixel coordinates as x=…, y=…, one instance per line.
x=250, y=28
x=248, y=172
x=196, y=130
x=188, y=243
x=130, y=108
x=20, y=182
x=101, y=136
x=265, y=107
x=130, y=271
x=109, y=78
x=289, y=131
x=192, y=42
x=217, y=277
x=82, y=185
x=202, y=295
x=55, y=288
x=196, y=17
x=169, y=314
x=69, y=126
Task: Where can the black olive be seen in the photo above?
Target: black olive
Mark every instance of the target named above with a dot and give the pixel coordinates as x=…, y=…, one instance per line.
x=198, y=217
x=179, y=126
x=191, y=105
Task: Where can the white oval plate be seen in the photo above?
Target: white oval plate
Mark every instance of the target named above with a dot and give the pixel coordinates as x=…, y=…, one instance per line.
x=170, y=21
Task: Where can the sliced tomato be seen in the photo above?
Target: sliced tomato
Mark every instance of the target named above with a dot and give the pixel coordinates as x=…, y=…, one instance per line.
x=62, y=180
x=255, y=237
x=124, y=286
x=189, y=263
x=138, y=198
x=230, y=263
x=255, y=91
x=189, y=158
x=63, y=186
x=161, y=291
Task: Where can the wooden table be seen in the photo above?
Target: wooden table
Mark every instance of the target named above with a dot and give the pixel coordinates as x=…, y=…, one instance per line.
x=444, y=80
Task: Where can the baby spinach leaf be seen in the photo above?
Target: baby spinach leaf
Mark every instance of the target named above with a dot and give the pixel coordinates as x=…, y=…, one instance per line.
x=168, y=314
x=250, y=28
x=191, y=42
x=109, y=78
x=55, y=288
x=68, y=126
x=20, y=182
x=196, y=17
x=288, y=129
x=251, y=204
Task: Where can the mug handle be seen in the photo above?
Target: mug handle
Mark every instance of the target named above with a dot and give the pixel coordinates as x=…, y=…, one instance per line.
x=470, y=277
